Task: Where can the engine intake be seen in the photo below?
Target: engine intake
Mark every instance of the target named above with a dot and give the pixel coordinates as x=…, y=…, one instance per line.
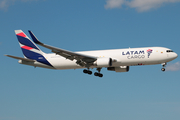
x=103, y=62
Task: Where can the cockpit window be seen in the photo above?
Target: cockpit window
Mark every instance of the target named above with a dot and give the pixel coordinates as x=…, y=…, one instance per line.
x=169, y=51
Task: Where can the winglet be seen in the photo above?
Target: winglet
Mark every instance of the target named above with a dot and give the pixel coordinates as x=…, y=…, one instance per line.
x=34, y=38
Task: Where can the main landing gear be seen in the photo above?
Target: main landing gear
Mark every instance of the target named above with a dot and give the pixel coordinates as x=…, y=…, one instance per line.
x=87, y=71
x=164, y=65
x=98, y=73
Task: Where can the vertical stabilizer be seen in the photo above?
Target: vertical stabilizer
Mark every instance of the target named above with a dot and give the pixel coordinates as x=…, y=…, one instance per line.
x=29, y=49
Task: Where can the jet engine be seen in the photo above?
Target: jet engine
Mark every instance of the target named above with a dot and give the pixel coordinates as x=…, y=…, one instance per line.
x=103, y=62
x=119, y=69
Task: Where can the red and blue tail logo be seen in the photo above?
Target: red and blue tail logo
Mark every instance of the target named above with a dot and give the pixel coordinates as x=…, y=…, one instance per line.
x=29, y=49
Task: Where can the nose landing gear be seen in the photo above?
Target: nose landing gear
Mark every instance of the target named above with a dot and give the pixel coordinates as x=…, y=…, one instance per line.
x=164, y=65
x=163, y=69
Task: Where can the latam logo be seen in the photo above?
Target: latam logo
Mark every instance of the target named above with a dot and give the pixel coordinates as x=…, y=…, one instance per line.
x=134, y=54
x=149, y=51
x=137, y=54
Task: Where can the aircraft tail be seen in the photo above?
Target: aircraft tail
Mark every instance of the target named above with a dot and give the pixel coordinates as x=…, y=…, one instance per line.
x=29, y=49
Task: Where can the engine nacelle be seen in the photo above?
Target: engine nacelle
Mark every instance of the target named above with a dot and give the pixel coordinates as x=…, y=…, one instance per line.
x=119, y=69
x=103, y=62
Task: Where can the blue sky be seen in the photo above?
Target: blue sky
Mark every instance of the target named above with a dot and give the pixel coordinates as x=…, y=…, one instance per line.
x=144, y=93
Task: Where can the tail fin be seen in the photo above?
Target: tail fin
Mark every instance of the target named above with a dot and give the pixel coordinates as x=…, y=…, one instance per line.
x=29, y=49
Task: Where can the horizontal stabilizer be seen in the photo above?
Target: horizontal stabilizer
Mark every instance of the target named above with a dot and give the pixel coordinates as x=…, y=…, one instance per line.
x=20, y=58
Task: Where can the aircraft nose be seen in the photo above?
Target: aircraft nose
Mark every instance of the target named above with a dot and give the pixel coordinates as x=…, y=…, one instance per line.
x=176, y=55
x=173, y=55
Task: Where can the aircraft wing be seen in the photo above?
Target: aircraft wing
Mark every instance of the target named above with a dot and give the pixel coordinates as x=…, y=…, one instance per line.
x=20, y=58
x=82, y=60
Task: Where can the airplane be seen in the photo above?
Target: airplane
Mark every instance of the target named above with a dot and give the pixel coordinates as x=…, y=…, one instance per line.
x=118, y=60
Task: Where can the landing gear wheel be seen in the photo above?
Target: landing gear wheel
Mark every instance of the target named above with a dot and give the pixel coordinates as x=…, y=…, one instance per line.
x=87, y=71
x=98, y=74
x=163, y=69
x=95, y=74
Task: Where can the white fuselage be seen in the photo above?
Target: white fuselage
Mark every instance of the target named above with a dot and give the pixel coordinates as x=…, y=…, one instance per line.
x=121, y=57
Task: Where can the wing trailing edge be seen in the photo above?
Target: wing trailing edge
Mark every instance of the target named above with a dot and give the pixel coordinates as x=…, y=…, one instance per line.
x=82, y=60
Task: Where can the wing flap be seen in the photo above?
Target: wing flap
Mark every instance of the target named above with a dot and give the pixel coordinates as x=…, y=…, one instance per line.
x=82, y=59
